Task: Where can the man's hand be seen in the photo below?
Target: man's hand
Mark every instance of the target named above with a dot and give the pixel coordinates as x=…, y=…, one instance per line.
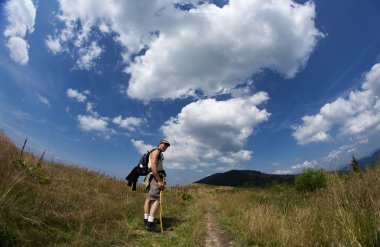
x=161, y=185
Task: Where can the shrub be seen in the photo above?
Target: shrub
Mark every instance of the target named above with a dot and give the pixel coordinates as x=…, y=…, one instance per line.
x=311, y=180
x=186, y=197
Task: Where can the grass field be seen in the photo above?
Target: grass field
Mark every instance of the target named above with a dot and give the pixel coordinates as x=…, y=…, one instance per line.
x=345, y=213
x=63, y=205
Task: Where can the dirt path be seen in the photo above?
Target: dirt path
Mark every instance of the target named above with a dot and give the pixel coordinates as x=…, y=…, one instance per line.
x=215, y=237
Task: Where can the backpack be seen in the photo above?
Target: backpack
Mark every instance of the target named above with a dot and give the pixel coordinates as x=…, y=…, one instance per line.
x=141, y=169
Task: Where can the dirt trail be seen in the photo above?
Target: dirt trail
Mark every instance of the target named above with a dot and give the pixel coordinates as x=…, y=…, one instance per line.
x=215, y=237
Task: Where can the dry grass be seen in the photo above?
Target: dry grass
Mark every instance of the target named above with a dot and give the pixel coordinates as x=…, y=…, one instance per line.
x=61, y=205
x=346, y=213
x=77, y=207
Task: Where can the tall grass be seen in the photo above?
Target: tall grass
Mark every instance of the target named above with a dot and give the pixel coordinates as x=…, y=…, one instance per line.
x=71, y=206
x=345, y=213
x=77, y=207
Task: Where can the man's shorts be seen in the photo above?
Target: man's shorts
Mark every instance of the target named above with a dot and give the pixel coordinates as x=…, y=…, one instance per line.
x=154, y=192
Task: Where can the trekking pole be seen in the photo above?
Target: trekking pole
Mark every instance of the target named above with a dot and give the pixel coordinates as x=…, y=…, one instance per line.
x=162, y=229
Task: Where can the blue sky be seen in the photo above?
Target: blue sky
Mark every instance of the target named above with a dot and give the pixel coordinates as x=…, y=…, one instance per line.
x=273, y=86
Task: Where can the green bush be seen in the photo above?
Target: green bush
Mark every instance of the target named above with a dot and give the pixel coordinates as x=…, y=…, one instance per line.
x=310, y=180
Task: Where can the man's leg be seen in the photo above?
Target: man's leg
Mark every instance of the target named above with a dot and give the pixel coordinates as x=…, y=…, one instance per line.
x=153, y=211
x=146, y=211
x=154, y=197
x=152, y=214
x=154, y=208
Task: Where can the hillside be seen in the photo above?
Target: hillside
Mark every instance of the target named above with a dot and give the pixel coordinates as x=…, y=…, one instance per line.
x=369, y=161
x=245, y=178
x=51, y=204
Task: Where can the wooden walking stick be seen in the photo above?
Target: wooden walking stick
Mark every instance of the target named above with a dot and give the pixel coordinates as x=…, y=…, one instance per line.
x=162, y=229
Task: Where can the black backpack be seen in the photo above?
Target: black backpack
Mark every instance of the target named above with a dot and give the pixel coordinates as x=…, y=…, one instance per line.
x=141, y=169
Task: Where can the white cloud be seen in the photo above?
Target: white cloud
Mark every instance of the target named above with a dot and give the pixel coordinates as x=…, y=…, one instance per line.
x=91, y=123
x=21, y=16
x=283, y=172
x=53, y=44
x=305, y=165
x=129, y=123
x=357, y=115
x=299, y=167
x=236, y=157
x=88, y=55
x=340, y=155
x=207, y=49
x=90, y=109
x=314, y=129
x=141, y=146
x=74, y=94
x=207, y=132
x=43, y=99
x=18, y=49
x=212, y=49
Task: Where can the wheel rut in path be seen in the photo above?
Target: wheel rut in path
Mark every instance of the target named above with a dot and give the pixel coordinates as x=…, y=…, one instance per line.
x=215, y=237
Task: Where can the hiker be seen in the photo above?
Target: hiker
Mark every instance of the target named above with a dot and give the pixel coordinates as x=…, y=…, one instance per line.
x=154, y=182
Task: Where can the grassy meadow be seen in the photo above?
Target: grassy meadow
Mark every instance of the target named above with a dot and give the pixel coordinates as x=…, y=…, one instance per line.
x=62, y=205
x=345, y=213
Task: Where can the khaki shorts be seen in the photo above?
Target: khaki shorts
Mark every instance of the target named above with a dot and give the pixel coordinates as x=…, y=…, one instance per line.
x=154, y=192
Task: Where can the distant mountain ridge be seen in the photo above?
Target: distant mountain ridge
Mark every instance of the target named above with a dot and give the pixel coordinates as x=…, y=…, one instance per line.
x=370, y=161
x=245, y=178
x=251, y=178
x=365, y=162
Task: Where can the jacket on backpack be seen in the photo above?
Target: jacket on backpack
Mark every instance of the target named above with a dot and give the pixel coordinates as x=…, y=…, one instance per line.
x=132, y=178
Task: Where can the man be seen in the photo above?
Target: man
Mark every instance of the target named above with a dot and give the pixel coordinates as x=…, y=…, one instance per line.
x=155, y=182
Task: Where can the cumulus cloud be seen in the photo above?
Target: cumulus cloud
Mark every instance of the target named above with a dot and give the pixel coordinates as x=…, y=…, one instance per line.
x=237, y=157
x=88, y=55
x=299, y=167
x=18, y=48
x=206, y=49
x=141, y=146
x=92, y=123
x=207, y=132
x=213, y=49
x=129, y=123
x=357, y=115
x=21, y=16
x=53, y=44
x=74, y=94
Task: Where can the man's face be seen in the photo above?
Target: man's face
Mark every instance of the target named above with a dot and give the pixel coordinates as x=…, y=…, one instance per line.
x=163, y=147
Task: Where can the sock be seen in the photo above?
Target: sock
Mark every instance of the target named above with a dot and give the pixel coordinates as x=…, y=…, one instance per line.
x=146, y=216
x=150, y=219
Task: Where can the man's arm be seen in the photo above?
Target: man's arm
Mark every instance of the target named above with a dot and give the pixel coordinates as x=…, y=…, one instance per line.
x=154, y=159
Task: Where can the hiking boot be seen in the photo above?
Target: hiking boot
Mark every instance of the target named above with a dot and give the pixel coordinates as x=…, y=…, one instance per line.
x=151, y=227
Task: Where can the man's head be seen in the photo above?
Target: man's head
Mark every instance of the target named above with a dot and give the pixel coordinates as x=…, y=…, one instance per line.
x=163, y=145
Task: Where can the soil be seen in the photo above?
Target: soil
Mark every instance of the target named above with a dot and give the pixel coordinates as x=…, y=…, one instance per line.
x=215, y=237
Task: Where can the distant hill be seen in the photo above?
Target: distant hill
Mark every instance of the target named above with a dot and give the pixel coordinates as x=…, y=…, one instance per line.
x=251, y=178
x=366, y=162
x=370, y=161
x=245, y=178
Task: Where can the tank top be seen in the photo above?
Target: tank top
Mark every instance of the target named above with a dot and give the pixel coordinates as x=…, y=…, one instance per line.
x=160, y=162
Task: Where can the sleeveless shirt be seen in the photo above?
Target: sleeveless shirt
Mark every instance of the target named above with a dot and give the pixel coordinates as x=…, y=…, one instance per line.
x=160, y=162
